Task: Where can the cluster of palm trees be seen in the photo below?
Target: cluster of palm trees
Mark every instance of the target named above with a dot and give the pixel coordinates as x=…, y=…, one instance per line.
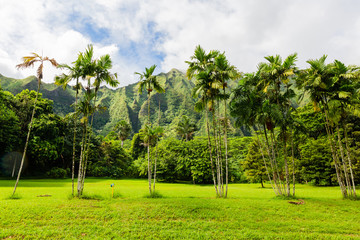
x=212, y=71
x=334, y=90
x=92, y=73
x=264, y=101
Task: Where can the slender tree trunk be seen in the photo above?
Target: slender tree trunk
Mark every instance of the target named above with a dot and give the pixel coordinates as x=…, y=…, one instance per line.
x=266, y=167
x=327, y=127
x=156, y=157
x=88, y=145
x=348, y=152
x=286, y=168
x=27, y=137
x=74, y=145
x=293, y=160
x=217, y=156
x=156, y=150
x=272, y=156
x=210, y=151
x=218, y=129
x=149, y=169
x=82, y=160
x=148, y=145
x=226, y=149
x=348, y=184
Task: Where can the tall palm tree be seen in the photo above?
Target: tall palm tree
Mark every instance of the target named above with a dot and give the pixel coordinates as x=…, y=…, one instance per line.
x=30, y=61
x=223, y=73
x=201, y=67
x=185, y=128
x=149, y=82
x=99, y=70
x=276, y=75
x=123, y=128
x=150, y=137
x=63, y=80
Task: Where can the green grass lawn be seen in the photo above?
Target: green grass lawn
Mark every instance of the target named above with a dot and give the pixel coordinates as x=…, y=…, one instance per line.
x=185, y=212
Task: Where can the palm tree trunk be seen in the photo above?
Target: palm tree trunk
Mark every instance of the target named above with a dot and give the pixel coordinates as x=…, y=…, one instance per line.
x=281, y=185
x=348, y=152
x=272, y=156
x=218, y=139
x=210, y=151
x=27, y=137
x=217, y=154
x=286, y=167
x=266, y=167
x=156, y=150
x=156, y=157
x=293, y=160
x=148, y=145
x=149, y=169
x=348, y=184
x=88, y=146
x=81, y=162
x=74, y=146
x=226, y=150
x=148, y=107
x=327, y=127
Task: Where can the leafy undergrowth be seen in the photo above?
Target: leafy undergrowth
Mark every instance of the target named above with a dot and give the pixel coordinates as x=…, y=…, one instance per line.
x=185, y=211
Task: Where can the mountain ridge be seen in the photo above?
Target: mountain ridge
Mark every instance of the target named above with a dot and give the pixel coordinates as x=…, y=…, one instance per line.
x=125, y=103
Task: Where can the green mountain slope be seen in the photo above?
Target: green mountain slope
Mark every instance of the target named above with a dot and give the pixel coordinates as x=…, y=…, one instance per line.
x=126, y=103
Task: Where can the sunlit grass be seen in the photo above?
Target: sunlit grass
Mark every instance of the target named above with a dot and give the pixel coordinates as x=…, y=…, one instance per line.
x=184, y=211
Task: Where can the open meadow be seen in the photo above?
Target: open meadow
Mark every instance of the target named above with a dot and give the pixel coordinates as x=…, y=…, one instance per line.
x=185, y=211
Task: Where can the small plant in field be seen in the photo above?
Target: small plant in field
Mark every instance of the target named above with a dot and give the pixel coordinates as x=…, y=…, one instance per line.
x=154, y=195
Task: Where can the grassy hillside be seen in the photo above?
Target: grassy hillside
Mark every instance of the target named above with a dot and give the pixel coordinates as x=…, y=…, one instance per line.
x=126, y=103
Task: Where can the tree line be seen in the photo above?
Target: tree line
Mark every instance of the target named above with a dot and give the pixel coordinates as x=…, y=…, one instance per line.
x=314, y=143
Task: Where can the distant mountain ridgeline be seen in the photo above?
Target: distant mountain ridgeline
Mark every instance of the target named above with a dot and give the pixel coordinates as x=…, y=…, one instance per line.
x=125, y=103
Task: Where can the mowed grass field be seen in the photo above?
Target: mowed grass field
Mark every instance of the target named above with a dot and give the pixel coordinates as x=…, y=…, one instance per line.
x=186, y=211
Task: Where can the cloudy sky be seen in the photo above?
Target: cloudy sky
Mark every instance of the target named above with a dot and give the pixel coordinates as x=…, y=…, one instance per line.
x=139, y=33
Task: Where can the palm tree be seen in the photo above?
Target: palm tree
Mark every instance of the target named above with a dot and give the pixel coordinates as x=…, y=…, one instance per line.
x=150, y=137
x=99, y=69
x=224, y=72
x=332, y=89
x=63, y=80
x=123, y=129
x=276, y=75
x=185, y=128
x=30, y=61
x=149, y=82
x=201, y=67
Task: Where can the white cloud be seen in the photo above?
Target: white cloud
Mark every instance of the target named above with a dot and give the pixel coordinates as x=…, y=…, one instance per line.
x=133, y=32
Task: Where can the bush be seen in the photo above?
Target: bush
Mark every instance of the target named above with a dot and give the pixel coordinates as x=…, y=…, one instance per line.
x=57, y=173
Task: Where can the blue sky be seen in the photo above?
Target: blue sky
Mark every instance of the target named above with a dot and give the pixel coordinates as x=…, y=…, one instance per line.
x=138, y=34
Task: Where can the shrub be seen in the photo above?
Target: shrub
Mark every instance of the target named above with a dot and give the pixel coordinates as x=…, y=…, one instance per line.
x=57, y=173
